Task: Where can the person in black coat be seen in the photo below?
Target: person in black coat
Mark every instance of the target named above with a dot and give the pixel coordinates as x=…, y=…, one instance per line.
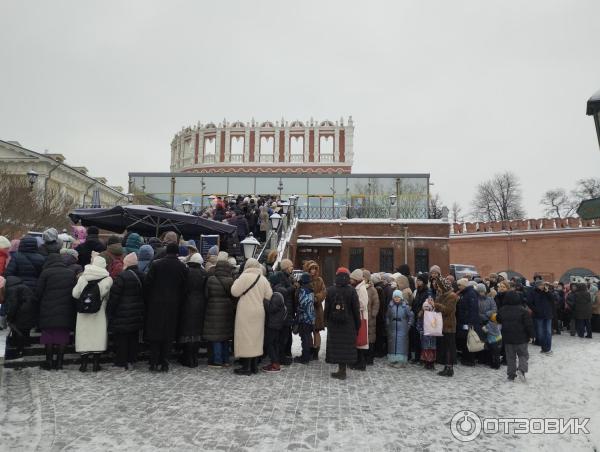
x=219, y=314
x=164, y=293
x=517, y=329
x=27, y=263
x=467, y=316
x=342, y=316
x=275, y=333
x=422, y=293
x=125, y=312
x=57, y=309
x=281, y=282
x=191, y=321
x=92, y=243
x=541, y=303
x=21, y=312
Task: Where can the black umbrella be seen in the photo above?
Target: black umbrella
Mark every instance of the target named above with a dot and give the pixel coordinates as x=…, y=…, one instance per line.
x=149, y=221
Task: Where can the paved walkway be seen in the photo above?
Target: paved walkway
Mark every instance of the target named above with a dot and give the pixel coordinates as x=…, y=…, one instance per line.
x=301, y=408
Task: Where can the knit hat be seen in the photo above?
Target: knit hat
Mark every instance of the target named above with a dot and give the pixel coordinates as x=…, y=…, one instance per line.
x=435, y=268
x=462, y=283
x=342, y=270
x=50, y=235
x=99, y=261
x=4, y=242
x=92, y=230
x=367, y=275
x=196, y=258
x=375, y=279
x=305, y=278
x=423, y=277
x=70, y=252
x=172, y=248
x=357, y=275
x=113, y=239
x=213, y=250
x=397, y=293
x=222, y=256
x=130, y=260
x=170, y=237
x=481, y=288
x=503, y=274
x=286, y=264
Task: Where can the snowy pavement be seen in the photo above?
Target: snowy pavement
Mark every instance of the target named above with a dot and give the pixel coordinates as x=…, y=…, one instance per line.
x=301, y=408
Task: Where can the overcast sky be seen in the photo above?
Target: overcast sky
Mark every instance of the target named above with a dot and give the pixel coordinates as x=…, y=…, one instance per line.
x=459, y=89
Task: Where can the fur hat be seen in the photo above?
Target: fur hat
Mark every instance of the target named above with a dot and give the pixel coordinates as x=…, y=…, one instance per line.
x=130, y=260
x=50, y=235
x=443, y=285
x=4, y=242
x=401, y=281
x=213, y=250
x=462, y=283
x=170, y=237
x=357, y=275
x=341, y=270
x=286, y=264
x=481, y=288
x=423, y=277
x=70, y=252
x=375, y=279
x=196, y=258
x=367, y=275
x=435, y=268
x=222, y=256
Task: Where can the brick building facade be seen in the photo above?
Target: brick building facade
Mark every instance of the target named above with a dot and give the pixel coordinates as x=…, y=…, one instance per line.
x=374, y=244
x=553, y=248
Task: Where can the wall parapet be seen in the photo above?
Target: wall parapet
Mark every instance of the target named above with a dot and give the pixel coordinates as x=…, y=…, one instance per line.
x=532, y=224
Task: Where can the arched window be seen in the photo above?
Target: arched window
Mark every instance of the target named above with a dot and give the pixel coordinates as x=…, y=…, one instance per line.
x=210, y=149
x=237, y=149
x=267, y=149
x=326, y=148
x=297, y=149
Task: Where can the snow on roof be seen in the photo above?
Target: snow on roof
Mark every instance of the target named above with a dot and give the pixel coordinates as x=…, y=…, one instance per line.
x=325, y=241
x=377, y=220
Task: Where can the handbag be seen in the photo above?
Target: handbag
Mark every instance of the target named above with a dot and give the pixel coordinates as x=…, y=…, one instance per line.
x=362, y=338
x=474, y=342
x=432, y=323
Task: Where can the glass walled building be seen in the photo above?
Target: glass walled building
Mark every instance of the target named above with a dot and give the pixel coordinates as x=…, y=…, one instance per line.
x=320, y=195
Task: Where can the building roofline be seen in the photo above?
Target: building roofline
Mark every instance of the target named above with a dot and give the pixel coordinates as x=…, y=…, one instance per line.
x=49, y=159
x=275, y=174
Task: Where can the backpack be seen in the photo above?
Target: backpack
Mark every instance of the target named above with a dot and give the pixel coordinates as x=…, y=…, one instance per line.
x=90, y=301
x=339, y=311
x=306, y=311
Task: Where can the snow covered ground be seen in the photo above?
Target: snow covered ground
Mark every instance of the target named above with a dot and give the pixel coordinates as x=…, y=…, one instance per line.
x=301, y=408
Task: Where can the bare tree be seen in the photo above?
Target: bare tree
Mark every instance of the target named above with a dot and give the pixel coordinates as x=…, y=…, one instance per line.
x=435, y=206
x=557, y=203
x=586, y=189
x=23, y=208
x=499, y=199
x=456, y=212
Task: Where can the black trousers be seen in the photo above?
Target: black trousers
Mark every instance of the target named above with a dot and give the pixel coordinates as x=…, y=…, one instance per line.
x=287, y=349
x=159, y=352
x=126, y=345
x=275, y=340
x=448, y=349
x=415, y=342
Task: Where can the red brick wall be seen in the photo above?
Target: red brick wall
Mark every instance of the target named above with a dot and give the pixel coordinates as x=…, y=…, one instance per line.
x=196, y=149
x=549, y=253
x=222, y=153
x=342, y=146
x=282, y=146
x=251, y=144
x=311, y=146
x=373, y=236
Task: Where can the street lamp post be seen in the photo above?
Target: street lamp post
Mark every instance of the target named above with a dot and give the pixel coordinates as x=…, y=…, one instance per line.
x=280, y=188
x=593, y=109
x=187, y=206
x=275, y=220
x=249, y=245
x=202, y=187
x=32, y=177
x=129, y=198
x=393, y=199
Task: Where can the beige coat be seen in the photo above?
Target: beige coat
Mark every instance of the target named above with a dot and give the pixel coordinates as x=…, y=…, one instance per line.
x=250, y=315
x=363, y=300
x=373, y=310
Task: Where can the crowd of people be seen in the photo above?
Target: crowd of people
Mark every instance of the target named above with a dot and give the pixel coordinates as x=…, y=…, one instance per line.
x=163, y=292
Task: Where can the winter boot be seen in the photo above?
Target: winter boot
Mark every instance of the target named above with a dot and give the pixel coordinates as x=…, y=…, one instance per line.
x=47, y=365
x=96, y=362
x=341, y=373
x=254, y=365
x=444, y=372
x=245, y=369
x=60, y=355
x=361, y=363
x=450, y=372
x=84, y=363
x=314, y=354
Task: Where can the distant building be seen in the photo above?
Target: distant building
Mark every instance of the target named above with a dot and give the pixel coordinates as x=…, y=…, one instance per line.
x=54, y=172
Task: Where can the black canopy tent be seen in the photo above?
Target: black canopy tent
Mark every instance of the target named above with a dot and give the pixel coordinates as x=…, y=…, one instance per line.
x=593, y=109
x=150, y=221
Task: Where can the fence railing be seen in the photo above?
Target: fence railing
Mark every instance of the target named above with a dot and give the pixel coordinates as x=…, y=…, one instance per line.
x=209, y=158
x=236, y=158
x=330, y=212
x=296, y=158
